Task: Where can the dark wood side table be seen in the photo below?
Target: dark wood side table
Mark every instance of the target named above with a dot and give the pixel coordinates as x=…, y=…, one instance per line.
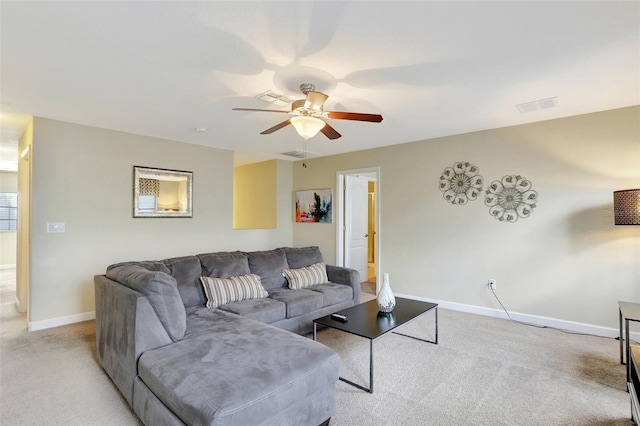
x=628, y=311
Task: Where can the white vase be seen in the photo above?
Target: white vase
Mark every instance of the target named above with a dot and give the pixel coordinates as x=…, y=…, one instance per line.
x=386, y=300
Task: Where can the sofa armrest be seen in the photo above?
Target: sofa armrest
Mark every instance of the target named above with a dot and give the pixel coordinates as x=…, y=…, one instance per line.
x=347, y=276
x=126, y=326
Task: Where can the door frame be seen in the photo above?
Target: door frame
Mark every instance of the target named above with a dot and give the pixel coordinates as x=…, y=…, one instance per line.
x=340, y=222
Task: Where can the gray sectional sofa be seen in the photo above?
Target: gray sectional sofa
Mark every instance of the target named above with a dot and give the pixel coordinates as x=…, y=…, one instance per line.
x=176, y=361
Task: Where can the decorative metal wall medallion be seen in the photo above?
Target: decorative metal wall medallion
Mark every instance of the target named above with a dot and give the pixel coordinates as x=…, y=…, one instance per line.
x=461, y=183
x=511, y=198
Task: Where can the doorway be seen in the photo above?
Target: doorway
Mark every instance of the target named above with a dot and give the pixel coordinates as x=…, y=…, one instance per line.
x=358, y=227
x=371, y=232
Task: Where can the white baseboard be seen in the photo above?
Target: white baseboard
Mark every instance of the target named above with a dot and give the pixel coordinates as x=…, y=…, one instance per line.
x=7, y=266
x=577, y=327
x=56, y=322
x=472, y=309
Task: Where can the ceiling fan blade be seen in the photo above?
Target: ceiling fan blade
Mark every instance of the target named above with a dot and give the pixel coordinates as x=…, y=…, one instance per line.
x=262, y=110
x=330, y=132
x=315, y=100
x=276, y=127
x=338, y=115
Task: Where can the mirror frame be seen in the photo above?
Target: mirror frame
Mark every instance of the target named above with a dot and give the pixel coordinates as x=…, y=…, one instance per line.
x=141, y=172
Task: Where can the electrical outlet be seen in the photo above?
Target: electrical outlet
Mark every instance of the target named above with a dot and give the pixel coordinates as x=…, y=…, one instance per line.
x=492, y=284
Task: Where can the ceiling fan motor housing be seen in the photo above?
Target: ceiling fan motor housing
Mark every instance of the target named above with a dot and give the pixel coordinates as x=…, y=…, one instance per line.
x=307, y=87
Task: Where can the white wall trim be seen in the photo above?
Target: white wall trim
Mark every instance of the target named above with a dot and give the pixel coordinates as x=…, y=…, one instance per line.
x=56, y=322
x=8, y=266
x=461, y=307
x=572, y=326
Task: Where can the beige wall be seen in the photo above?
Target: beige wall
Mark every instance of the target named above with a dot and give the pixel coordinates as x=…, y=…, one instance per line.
x=8, y=249
x=82, y=176
x=567, y=261
x=255, y=195
x=8, y=183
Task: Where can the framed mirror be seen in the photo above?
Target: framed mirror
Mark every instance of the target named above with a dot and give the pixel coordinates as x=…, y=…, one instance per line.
x=161, y=192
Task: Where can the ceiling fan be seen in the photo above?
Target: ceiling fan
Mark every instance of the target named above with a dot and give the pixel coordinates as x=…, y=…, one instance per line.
x=308, y=113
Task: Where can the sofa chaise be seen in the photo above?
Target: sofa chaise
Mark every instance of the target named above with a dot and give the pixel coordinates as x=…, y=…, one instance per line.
x=216, y=338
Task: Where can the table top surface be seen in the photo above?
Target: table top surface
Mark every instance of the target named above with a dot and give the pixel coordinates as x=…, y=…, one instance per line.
x=363, y=319
x=630, y=310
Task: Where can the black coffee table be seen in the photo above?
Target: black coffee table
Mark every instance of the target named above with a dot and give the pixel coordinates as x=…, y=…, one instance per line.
x=364, y=321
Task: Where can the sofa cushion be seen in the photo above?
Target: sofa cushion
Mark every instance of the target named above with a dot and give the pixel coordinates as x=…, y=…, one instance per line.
x=299, y=257
x=304, y=277
x=186, y=271
x=269, y=265
x=239, y=372
x=161, y=291
x=333, y=293
x=220, y=291
x=224, y=264
x=265, y=310
x=149, y=265
x=299, y=302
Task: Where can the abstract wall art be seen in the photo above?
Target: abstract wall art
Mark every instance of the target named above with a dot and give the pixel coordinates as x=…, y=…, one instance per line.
x=314, y=206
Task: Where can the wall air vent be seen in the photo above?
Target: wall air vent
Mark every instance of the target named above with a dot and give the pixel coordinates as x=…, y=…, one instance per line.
x=299, y=153
x=538, y=105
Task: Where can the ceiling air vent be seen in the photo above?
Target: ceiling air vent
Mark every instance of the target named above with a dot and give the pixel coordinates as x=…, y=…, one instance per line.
x=537, y=105
x=299, y=153
x=274, y=98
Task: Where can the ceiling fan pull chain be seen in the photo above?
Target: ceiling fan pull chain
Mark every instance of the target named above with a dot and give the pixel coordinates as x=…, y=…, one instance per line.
x=304, y=154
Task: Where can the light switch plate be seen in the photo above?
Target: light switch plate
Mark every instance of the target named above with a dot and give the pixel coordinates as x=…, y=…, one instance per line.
x=55, y=227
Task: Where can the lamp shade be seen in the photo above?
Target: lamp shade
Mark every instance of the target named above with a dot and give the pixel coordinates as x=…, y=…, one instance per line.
x=626, y=207
x=307, y=127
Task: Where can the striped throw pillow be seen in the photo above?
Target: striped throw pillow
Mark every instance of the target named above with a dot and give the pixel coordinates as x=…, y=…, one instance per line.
x=220, y=291
x=304, y=277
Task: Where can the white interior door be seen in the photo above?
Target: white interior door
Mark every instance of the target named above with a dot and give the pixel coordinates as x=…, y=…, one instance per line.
x=356, y=224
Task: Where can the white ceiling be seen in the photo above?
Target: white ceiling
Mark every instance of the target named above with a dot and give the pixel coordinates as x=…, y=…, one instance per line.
x=430, y=68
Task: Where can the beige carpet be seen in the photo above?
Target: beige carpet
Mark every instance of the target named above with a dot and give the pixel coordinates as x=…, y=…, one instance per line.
x=51, y=377
x=485, y=371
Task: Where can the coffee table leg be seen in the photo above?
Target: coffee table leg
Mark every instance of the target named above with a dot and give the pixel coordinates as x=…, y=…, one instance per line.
x=370, y=366
x=621, y=338
x=436, y=325
x=628, y=349
x=314, y=331
x=370, y=388
x=435, y=342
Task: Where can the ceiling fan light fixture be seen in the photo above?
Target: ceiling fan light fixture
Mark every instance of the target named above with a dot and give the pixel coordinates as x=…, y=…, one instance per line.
x=306, y=126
